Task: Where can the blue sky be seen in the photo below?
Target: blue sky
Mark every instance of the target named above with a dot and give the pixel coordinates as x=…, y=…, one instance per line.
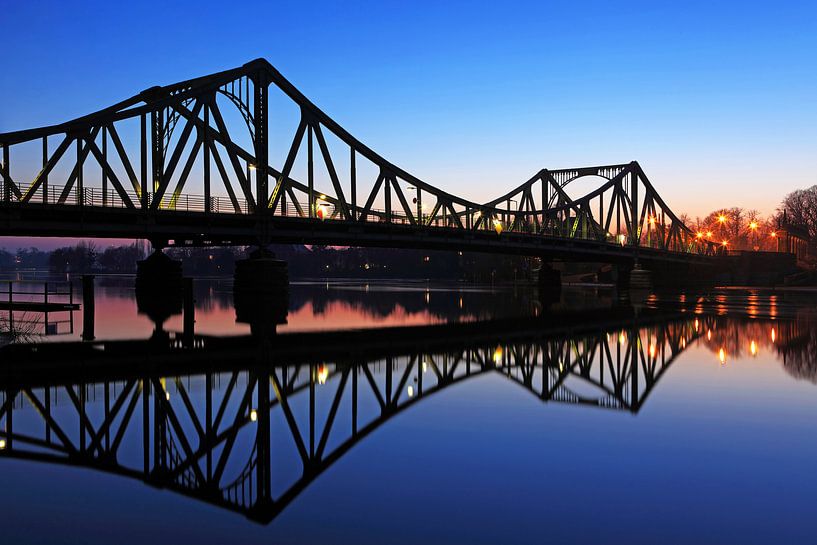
x=716, y=100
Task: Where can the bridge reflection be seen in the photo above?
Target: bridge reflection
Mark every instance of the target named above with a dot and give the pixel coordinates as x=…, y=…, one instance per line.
x=248, y=425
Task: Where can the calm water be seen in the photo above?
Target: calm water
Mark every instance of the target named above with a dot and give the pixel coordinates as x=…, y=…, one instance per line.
x=491, y=416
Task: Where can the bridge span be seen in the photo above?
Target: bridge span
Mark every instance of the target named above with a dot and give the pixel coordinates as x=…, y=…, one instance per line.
x=193, y=163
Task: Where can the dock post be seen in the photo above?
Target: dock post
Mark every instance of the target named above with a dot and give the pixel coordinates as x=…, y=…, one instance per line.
x=189, y=311
x=88, y=309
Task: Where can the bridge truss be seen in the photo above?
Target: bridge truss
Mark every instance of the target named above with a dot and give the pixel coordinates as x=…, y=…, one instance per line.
x=177, y=161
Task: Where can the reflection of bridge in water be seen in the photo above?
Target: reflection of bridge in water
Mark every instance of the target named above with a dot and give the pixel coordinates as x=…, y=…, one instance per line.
x=247, y=426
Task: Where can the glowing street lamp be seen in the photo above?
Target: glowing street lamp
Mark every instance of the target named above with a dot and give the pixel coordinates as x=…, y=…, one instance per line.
x=709, y=234
x=321, y=208
x=498, y=226
x=753, y=226
x=323, y=373
x=721, y=219
x=699, y=235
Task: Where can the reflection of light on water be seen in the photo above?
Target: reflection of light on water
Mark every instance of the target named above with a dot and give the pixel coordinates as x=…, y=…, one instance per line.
x=621, y=338
x=774, y=335
x=652, y=350
x=323, y=373
x=696, y=324
x=753, y=348
x=722, y=356
x=708, y=334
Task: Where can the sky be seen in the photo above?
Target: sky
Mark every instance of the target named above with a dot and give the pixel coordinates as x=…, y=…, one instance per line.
x=716, y=100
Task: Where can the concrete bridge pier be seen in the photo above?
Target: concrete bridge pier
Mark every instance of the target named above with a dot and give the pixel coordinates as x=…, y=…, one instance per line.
x=159, y=289
x=261, y=291
x=640, y=278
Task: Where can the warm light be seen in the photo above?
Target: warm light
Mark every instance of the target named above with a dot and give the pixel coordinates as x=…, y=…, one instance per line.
x=708, y=334
x=753, y=225
x=321, y=212
x=622, y=239
x=498, y=355
x=774, y=335
x=709, y=234
x=167, y=396
x=253, y=415
x=2, y=444
x=652, y=350
x=722, y=219
x=251, y=166
x=699, y=235
x=425, y=367
x=323, y=373
x=753, y=348
x=410, y=391
x=696, y=324
x=725, y=243
x=722, y=356
x=621, y=338
x=460, y=302
x=652, y=220
x=774, y=234
x=498, y=227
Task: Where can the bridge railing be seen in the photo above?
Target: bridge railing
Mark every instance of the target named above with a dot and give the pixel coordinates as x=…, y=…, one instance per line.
x=516, y=222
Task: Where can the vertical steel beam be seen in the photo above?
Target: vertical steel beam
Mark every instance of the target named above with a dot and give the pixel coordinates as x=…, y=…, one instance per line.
x=6, y=182
x=157, y=141
x=260, y=118
x=205, y=136
x=104, y=170
x=80, y=181
x=634, y=216
x=353, y=179
x=310, y=173
x=45, y=176
x=144, y=161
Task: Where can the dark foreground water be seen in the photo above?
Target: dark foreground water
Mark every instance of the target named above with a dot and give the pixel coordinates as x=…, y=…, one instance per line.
x=489, y=416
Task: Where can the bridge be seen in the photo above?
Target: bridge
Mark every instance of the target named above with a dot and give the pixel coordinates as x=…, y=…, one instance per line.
x=216, y=420
x=194, y=163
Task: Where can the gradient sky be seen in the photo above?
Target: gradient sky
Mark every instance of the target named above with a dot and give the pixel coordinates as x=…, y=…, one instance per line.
x=716, y=100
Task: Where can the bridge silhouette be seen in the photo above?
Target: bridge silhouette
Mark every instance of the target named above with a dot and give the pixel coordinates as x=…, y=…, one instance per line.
x=213, y=427
x=191, y=164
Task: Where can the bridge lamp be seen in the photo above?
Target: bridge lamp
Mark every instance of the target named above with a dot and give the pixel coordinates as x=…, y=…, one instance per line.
x=498, y=356
x=2, y=444
x=721, y=219
x=323, y=373
x=498, y=226
x=253, y=415
x=322, y=208
x=652, y=351
x=251, y=166
x=699, y=235
x=753, y=226
x=410, y=390
x=652, y=220
x=725, y=243
x=622, y=239
x=709, y=234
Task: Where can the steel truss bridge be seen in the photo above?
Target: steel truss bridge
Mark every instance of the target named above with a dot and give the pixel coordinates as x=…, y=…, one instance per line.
x=194, y=163
x=217, y=427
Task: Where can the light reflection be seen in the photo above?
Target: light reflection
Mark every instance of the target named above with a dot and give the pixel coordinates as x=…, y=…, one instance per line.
x=753, y=348
x=774, y=335
x=722, y=356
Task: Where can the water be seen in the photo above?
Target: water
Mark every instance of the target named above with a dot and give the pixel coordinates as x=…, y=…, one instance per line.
x=459, y=414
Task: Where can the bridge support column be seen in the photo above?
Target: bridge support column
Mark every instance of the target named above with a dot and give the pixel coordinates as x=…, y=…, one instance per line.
x=88, y=308
x=261, y=291
x=640, y=279
x=159, y=290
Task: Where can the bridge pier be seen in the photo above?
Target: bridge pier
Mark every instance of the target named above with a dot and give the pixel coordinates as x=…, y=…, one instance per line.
x=159, y=290
x=261, y=291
